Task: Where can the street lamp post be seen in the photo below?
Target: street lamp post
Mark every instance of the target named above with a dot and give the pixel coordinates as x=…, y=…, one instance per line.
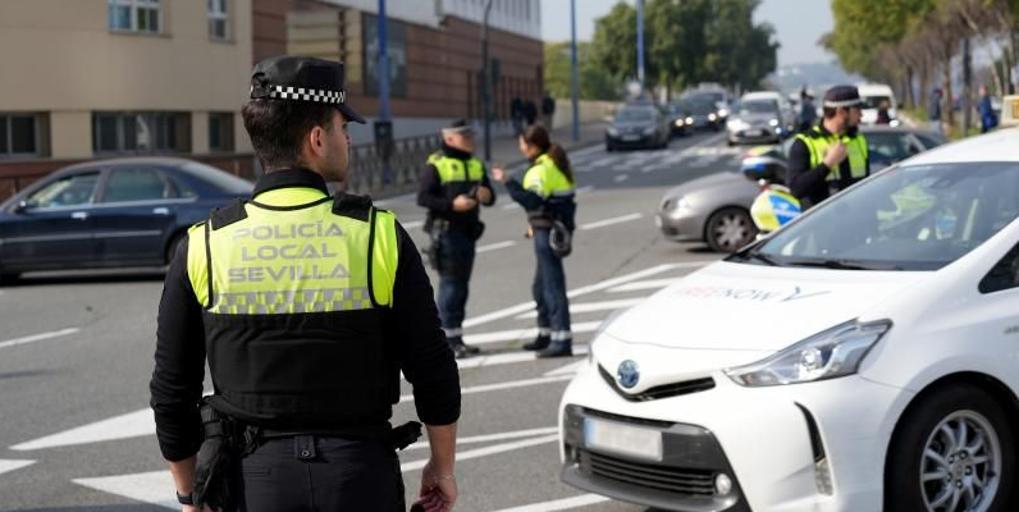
x=574, y=78
x=384, y=124
x=640, y=45
x=486, y=93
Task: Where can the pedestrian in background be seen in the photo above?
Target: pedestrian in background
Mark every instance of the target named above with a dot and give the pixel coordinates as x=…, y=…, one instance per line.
x=452, y=187
x=547, y=194
x=517, y=115
x=883, y=116
x=808, y=112
x=988, y=118
x=934, y=111
x=530, y=112
x=548, y=110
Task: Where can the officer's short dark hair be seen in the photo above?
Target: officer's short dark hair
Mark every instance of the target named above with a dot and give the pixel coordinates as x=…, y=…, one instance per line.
x=278, y=128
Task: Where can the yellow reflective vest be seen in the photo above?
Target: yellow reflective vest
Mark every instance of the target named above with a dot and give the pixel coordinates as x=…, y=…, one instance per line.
x=818, y=141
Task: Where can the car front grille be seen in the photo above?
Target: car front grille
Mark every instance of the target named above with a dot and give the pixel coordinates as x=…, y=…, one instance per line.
x=697, y=482
x=659, y=392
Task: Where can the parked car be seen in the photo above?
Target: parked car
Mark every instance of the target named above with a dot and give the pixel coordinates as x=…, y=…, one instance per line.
x=758, y=118
x=861, y=358
x=640, y=125
x=701, y=112
x=873, y=95
x=717, y=97
x=716, y=208
x=110, y=213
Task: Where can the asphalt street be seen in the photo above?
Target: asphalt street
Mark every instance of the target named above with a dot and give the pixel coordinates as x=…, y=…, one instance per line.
x=76, y=351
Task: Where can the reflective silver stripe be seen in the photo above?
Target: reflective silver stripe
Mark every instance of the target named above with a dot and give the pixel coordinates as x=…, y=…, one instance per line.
x=544, y=331
x=127, y=234
x=561, y=335
x=453, y=332
x=292, y=301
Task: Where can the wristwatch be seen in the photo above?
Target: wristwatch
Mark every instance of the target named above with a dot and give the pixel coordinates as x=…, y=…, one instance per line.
x=185, y=499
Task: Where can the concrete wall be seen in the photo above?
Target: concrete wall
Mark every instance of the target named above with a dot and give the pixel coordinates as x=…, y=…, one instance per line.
x=62, y=58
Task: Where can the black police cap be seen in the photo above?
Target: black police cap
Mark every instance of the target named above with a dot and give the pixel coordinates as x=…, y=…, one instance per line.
x=842, y=96
x=293, y=78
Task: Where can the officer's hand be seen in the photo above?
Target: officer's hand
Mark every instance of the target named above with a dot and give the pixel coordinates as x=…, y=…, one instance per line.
x=835, y=155
x=205, y=508
x=438, y=491
x=484, y=195
x=464, y=203
x=499, y=174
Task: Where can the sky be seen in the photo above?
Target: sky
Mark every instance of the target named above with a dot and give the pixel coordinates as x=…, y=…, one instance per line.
x=798, y=24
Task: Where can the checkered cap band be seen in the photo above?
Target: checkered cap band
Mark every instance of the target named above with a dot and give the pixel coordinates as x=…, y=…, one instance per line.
x=302, y=94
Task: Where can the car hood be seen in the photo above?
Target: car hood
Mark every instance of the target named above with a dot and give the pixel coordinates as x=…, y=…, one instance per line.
x=758, y=118
x=622, y=126
x=731, y=314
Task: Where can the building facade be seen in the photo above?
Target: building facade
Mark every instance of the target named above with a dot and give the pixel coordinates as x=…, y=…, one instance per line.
x=89, y=79
x=434, y=50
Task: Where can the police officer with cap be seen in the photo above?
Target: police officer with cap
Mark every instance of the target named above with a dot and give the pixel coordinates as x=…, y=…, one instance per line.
x=307, y=307
x=833, y=155
x=453, y=184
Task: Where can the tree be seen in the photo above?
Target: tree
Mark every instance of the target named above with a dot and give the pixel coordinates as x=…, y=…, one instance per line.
x=595, y=81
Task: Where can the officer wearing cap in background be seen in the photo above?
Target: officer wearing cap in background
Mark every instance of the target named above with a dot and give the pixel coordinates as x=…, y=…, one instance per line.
x=453, y=185
x=832, y=155
x=307, y=308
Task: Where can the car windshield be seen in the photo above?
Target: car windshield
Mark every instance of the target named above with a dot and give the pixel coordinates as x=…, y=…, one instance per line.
x=629, y=115
x=223, y=181
x=709, y=97
x=890, y=147
x=758, y=107
x=700, y=107
x=876, y=101
x=918, y=217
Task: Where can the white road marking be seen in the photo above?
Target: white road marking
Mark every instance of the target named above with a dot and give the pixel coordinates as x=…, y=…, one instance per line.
x=585, y=190
x=569, y=369
x=523, y=334
x=510, y=206
x=651, y=284
x=38, y=337
x=484, y=452
x=414, y=224
x=621, y=178
x=590, y=150
x=609, y=222
x=601, y=162
x=502, y=436
x=404, y=197
x=499, y=386
x=496, y=246
x=133, y=424
x=154, y=487
x=608, y=283
x=587, y=307
x=7, y=465
x=564, y=504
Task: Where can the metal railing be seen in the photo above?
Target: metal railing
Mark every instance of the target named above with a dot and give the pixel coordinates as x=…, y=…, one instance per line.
x=368, y=173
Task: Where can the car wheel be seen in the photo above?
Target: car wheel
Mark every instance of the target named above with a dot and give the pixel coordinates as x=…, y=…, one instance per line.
x=609, y=148
x=731, y=143
x=7, y=278
x=955, y=450
x=729, y=229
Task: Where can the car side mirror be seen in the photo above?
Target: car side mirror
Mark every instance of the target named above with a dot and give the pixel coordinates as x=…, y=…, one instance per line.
x=22, y=206
x=915, y=150
x=770, y=172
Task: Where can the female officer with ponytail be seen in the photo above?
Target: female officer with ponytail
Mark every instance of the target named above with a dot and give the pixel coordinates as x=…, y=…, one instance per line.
x=547, y=194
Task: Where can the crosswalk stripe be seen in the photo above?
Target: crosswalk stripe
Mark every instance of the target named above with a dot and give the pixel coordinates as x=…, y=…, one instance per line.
x=501, y=436
x=7, y=465
x=610, y=222
x=24, y=340
x=523, y=334
x=650, y=284
x=564, y=504
x=510, y=358
x=587, y=307
x=153, y=487
x=484, y=452
x=133, y=424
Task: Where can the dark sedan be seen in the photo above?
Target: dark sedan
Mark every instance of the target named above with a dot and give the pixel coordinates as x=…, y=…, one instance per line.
x=638, y=126
x=111, y=213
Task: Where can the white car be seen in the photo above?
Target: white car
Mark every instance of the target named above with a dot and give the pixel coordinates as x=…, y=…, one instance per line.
x=873, y=95
x=864, y=357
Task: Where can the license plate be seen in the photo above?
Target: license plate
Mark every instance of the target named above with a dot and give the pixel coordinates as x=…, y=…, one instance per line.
x=631, y=138
x=623, y=439
x=755, y=133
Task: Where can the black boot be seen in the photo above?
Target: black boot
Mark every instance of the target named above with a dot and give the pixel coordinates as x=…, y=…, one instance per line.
x=461, y=349
x=562, y=348
x=539, y=343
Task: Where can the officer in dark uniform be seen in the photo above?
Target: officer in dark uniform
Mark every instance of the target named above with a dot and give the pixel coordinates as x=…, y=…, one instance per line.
x=453, y=185
x=307, y=308
x=833, y=155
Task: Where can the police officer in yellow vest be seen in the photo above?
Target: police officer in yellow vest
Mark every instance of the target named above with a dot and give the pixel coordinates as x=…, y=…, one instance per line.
x=307, y=307
x=452, y=186
x=832, y=155
x=547, y=194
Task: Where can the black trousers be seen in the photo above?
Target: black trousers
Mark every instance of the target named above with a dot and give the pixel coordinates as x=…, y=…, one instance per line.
x=321, y=474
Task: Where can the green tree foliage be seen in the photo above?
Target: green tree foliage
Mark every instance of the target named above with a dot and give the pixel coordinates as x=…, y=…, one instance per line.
x=595, y=82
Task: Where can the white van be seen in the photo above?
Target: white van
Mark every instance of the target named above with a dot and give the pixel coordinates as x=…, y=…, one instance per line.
x=873, y=95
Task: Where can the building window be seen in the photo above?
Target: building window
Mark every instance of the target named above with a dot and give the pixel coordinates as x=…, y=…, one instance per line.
x=141, y=132
x=22, y=135
x=134, y=15
x=221, y=131
x=219, y=20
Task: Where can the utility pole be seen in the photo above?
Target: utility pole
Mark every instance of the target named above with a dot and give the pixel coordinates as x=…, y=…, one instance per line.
x=574, y=76
x=640, y=45
x=486, y=82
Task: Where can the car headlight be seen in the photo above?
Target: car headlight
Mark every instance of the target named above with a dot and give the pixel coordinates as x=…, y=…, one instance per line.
x=723, y=113
x=773, y=122
x=649, y=130
x=613, y=132
x=712, y=117
x=680, y=123
x=689, y=120
x=832, y=353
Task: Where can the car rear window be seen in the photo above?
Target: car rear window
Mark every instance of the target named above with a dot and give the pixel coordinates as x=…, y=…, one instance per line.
x=222, y=181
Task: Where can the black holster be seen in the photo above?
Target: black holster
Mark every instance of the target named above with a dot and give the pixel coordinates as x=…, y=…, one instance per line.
x=224, y=442
x=433, y=253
